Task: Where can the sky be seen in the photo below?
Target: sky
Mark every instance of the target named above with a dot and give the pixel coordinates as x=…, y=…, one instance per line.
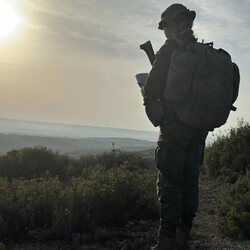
x=74, y=61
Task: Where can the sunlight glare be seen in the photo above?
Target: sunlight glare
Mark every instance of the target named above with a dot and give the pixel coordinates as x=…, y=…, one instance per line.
x=9, y=19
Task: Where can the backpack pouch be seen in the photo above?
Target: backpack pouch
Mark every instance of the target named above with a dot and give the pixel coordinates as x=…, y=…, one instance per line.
x=179, y=77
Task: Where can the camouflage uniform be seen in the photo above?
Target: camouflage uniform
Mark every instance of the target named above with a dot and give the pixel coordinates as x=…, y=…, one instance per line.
x=179, y=153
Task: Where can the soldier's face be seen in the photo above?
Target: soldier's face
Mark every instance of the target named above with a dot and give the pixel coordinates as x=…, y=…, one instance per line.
x=171, y=30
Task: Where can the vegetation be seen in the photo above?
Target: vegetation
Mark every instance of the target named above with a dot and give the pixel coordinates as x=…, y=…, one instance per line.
x=234, y=210
x=228, y=157
x=47, y=196
x=228, y=161
x=34, y=162
x=96, y=192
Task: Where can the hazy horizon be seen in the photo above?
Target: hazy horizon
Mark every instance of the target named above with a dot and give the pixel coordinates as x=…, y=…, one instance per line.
x=62, y=130
x=76, y=124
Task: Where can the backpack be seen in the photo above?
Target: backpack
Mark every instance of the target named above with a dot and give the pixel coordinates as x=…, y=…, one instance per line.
x=202, y=85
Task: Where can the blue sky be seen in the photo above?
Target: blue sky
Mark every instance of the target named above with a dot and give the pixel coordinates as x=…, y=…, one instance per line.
x=74, y=61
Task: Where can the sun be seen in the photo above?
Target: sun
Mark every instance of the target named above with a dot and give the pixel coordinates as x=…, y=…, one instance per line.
x=9, y=19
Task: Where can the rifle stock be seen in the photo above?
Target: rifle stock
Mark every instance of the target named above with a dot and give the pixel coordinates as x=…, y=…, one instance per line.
x=148, y=48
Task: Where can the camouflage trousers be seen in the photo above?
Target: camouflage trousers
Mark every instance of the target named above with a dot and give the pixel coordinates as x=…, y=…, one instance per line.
x=178, y=160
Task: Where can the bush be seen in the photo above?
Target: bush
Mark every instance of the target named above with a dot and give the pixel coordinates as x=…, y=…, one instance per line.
x=113, y=197
x=108, y=160
x=46, y=207
x=234, y=210
x=228, y=160
x=31, y=162
x=228, y=157
x=26, y=205
x=39, y=161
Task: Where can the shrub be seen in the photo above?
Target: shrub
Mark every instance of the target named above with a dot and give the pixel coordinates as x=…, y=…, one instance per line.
x=228, y=157
x=30, y=162
x=48, y=208
x=108, y=160
x=39, y=161
x=113, y=197
x=228, y=160
x=234, y=210
x=27, y=205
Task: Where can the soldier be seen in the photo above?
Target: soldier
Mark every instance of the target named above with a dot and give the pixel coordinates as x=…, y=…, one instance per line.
x=180, y=149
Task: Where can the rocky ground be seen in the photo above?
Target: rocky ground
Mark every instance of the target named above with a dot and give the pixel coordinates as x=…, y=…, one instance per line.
x=142, y=234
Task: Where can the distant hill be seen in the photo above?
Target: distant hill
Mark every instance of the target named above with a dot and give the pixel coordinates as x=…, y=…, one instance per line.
x=71, y=146
x=74, y=139
x=18, y=127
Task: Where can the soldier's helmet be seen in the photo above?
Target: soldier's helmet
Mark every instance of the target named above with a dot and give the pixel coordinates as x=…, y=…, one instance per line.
x=172, y=12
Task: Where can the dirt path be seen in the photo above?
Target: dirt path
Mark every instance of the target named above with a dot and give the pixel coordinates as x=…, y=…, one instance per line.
x=142, y=234
x=205, y=235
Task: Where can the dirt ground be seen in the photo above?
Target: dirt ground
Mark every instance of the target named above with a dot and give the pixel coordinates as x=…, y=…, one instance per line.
x=141, y=235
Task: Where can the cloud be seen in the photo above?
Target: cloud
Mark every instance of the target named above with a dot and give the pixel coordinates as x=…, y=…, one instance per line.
x=102, y=26
x=115, y=28
x=224, y=21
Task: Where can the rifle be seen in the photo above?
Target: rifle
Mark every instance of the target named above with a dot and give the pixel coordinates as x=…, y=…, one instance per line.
x=148, y=48
x=155, y=111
